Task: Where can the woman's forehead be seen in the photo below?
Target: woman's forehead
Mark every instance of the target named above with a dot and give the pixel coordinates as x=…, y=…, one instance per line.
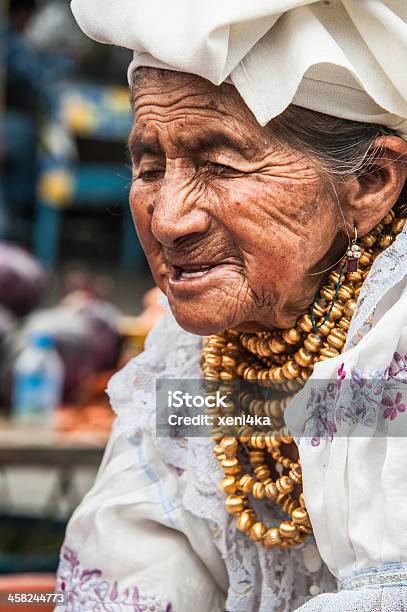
x=199, y=115
x=172, y=90
x=168, y=80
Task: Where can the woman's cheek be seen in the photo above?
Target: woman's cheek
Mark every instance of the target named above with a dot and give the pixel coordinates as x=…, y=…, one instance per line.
x=276, y=271
x=142, y=207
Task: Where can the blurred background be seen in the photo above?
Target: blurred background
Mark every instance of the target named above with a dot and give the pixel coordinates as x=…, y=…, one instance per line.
x=76, y=295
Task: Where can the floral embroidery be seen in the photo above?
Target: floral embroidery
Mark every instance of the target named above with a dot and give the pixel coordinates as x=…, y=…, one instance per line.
x=355, y=399
x=341, y=374
x=398, y=367
x=393, y=406
x=317, y=408
x=87, y=590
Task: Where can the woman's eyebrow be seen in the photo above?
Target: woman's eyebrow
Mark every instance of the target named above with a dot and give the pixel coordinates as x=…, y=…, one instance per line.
x=138, y=146
x=202, y=143
x=193, y=144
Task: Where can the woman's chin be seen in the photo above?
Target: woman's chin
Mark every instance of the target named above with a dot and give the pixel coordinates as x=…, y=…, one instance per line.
x=199, y=320
x=200, y=327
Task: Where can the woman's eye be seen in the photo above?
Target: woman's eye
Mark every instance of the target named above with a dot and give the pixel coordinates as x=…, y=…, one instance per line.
x=151, y=175
x=221, y=169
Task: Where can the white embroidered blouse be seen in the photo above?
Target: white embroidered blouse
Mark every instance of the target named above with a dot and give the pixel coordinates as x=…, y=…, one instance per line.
x=153, y=534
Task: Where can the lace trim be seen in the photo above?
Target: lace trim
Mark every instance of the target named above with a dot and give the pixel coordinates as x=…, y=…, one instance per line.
x=392, y=574
x=380, y=599
x=388, y=269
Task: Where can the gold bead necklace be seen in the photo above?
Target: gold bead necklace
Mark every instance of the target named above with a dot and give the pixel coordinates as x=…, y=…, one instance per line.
x=283, y=360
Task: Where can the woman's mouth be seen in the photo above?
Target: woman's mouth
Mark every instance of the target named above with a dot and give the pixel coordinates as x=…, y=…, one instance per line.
x=179, y=273
x=189, y=279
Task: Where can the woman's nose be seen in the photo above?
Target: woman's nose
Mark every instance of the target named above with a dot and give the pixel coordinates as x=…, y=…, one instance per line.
x=177, y=213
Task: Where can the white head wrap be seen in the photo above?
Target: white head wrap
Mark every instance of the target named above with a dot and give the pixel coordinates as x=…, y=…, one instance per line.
x=346, y=58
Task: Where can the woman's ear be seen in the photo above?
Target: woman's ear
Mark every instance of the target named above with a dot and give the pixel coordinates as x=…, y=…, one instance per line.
x=369, y=197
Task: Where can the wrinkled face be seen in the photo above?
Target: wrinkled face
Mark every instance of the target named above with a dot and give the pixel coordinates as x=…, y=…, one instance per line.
x=231, y=220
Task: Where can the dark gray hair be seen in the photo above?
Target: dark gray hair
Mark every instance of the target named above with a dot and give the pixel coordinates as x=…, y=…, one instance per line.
x=343, y=148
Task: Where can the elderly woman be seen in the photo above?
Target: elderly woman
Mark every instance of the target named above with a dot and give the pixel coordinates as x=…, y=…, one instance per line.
x=269, y=161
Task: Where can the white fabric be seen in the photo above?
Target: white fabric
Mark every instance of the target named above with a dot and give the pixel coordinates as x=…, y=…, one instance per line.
x=139, y=499
x=355, y=485
x=144, y=519
x=131, y=532
x=388, y=599
x=343, y=57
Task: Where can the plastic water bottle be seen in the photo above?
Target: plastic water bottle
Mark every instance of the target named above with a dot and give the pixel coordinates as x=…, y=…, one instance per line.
x=38, y=379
